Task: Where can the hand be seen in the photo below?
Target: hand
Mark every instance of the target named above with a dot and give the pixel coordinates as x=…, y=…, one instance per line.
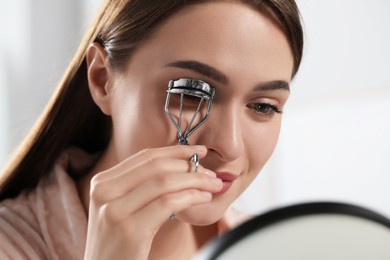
x=132, y=200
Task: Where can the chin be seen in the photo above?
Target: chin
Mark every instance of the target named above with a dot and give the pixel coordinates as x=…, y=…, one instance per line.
x=202, y=215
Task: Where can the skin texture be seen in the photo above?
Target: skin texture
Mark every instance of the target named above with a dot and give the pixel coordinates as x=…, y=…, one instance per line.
x=143, y=176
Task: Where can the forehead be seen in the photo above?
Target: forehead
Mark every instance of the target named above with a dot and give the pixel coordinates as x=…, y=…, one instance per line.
x=225, y=35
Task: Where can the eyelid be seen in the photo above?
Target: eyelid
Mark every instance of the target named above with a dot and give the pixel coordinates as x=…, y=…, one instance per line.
x=267, y=100
x=264, y=108
x=263, y=111
x=276, y=108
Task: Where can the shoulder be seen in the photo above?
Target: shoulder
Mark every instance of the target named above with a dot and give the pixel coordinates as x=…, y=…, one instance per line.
x=19, y=231
x=48, y=222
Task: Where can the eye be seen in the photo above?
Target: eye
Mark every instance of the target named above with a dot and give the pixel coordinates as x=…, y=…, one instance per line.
x=264, y=109
x=188, y=101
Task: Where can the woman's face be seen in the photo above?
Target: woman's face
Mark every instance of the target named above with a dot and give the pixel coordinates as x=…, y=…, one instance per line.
x=244, y=56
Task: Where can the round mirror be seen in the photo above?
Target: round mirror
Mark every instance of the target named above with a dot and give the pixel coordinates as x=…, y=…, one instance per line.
x=320, y=230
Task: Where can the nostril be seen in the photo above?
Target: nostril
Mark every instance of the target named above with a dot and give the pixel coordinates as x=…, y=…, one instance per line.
x=212, y=151
x=226, y=144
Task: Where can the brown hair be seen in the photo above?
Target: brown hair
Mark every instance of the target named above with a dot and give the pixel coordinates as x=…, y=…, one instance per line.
x=72, y=118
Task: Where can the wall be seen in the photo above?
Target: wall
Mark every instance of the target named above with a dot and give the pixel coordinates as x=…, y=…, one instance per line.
x=39, y=39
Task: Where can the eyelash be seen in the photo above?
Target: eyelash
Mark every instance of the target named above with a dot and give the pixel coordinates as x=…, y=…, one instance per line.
x=271, y=109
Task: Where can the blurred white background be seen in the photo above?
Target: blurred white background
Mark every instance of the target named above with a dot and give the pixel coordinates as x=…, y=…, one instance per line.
x=38, y=40
x=335, y=141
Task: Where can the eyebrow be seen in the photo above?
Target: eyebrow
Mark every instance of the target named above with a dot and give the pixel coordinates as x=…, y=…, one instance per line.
x=201, y=68
x=218, y=76
x=273, y=85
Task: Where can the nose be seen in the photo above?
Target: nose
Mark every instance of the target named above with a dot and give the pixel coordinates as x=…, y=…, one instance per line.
x=222, y=134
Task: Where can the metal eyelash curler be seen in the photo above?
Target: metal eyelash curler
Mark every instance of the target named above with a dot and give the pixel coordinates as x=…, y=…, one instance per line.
x=198, y=91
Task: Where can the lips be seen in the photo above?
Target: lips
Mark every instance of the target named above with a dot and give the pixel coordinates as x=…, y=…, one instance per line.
x=227, y=180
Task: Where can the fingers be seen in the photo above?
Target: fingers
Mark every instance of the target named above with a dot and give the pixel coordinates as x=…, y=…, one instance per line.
x=142, y=166
x=156, y=169
x=139, y=228
x=183, y=152
x=161, y=189
x=130, y=201
x=154, y=181
x=155, y=214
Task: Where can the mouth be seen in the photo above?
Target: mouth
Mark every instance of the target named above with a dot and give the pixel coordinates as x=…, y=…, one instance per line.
x=227, y=179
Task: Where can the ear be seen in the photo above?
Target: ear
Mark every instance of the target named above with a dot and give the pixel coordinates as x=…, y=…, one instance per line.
x=99, y=82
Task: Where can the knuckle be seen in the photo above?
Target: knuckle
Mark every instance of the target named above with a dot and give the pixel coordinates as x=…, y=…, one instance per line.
x=157, y=163
x=168, y=201
x=99, y=191
x=109, y=213
x=145, y=152
x=95, y=180
x=96, y=192
x=202, y=178
x=201, y=170
x=163, y=181
x=193, y=194
x=151, y=161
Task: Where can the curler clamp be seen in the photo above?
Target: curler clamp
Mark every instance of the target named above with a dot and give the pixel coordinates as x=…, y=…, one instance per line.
x=191, y=88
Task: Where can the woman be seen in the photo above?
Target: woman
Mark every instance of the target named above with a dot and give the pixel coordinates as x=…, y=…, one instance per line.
x=101, y=176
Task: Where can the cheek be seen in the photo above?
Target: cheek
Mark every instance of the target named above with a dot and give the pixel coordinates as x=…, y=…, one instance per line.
x=261, y=142
x=139, y=122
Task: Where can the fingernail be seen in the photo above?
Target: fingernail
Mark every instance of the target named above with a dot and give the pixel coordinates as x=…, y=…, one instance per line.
x=217, y=181
x=210, y=173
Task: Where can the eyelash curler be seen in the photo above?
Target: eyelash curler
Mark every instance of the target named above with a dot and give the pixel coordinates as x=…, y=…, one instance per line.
x=195, y=90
